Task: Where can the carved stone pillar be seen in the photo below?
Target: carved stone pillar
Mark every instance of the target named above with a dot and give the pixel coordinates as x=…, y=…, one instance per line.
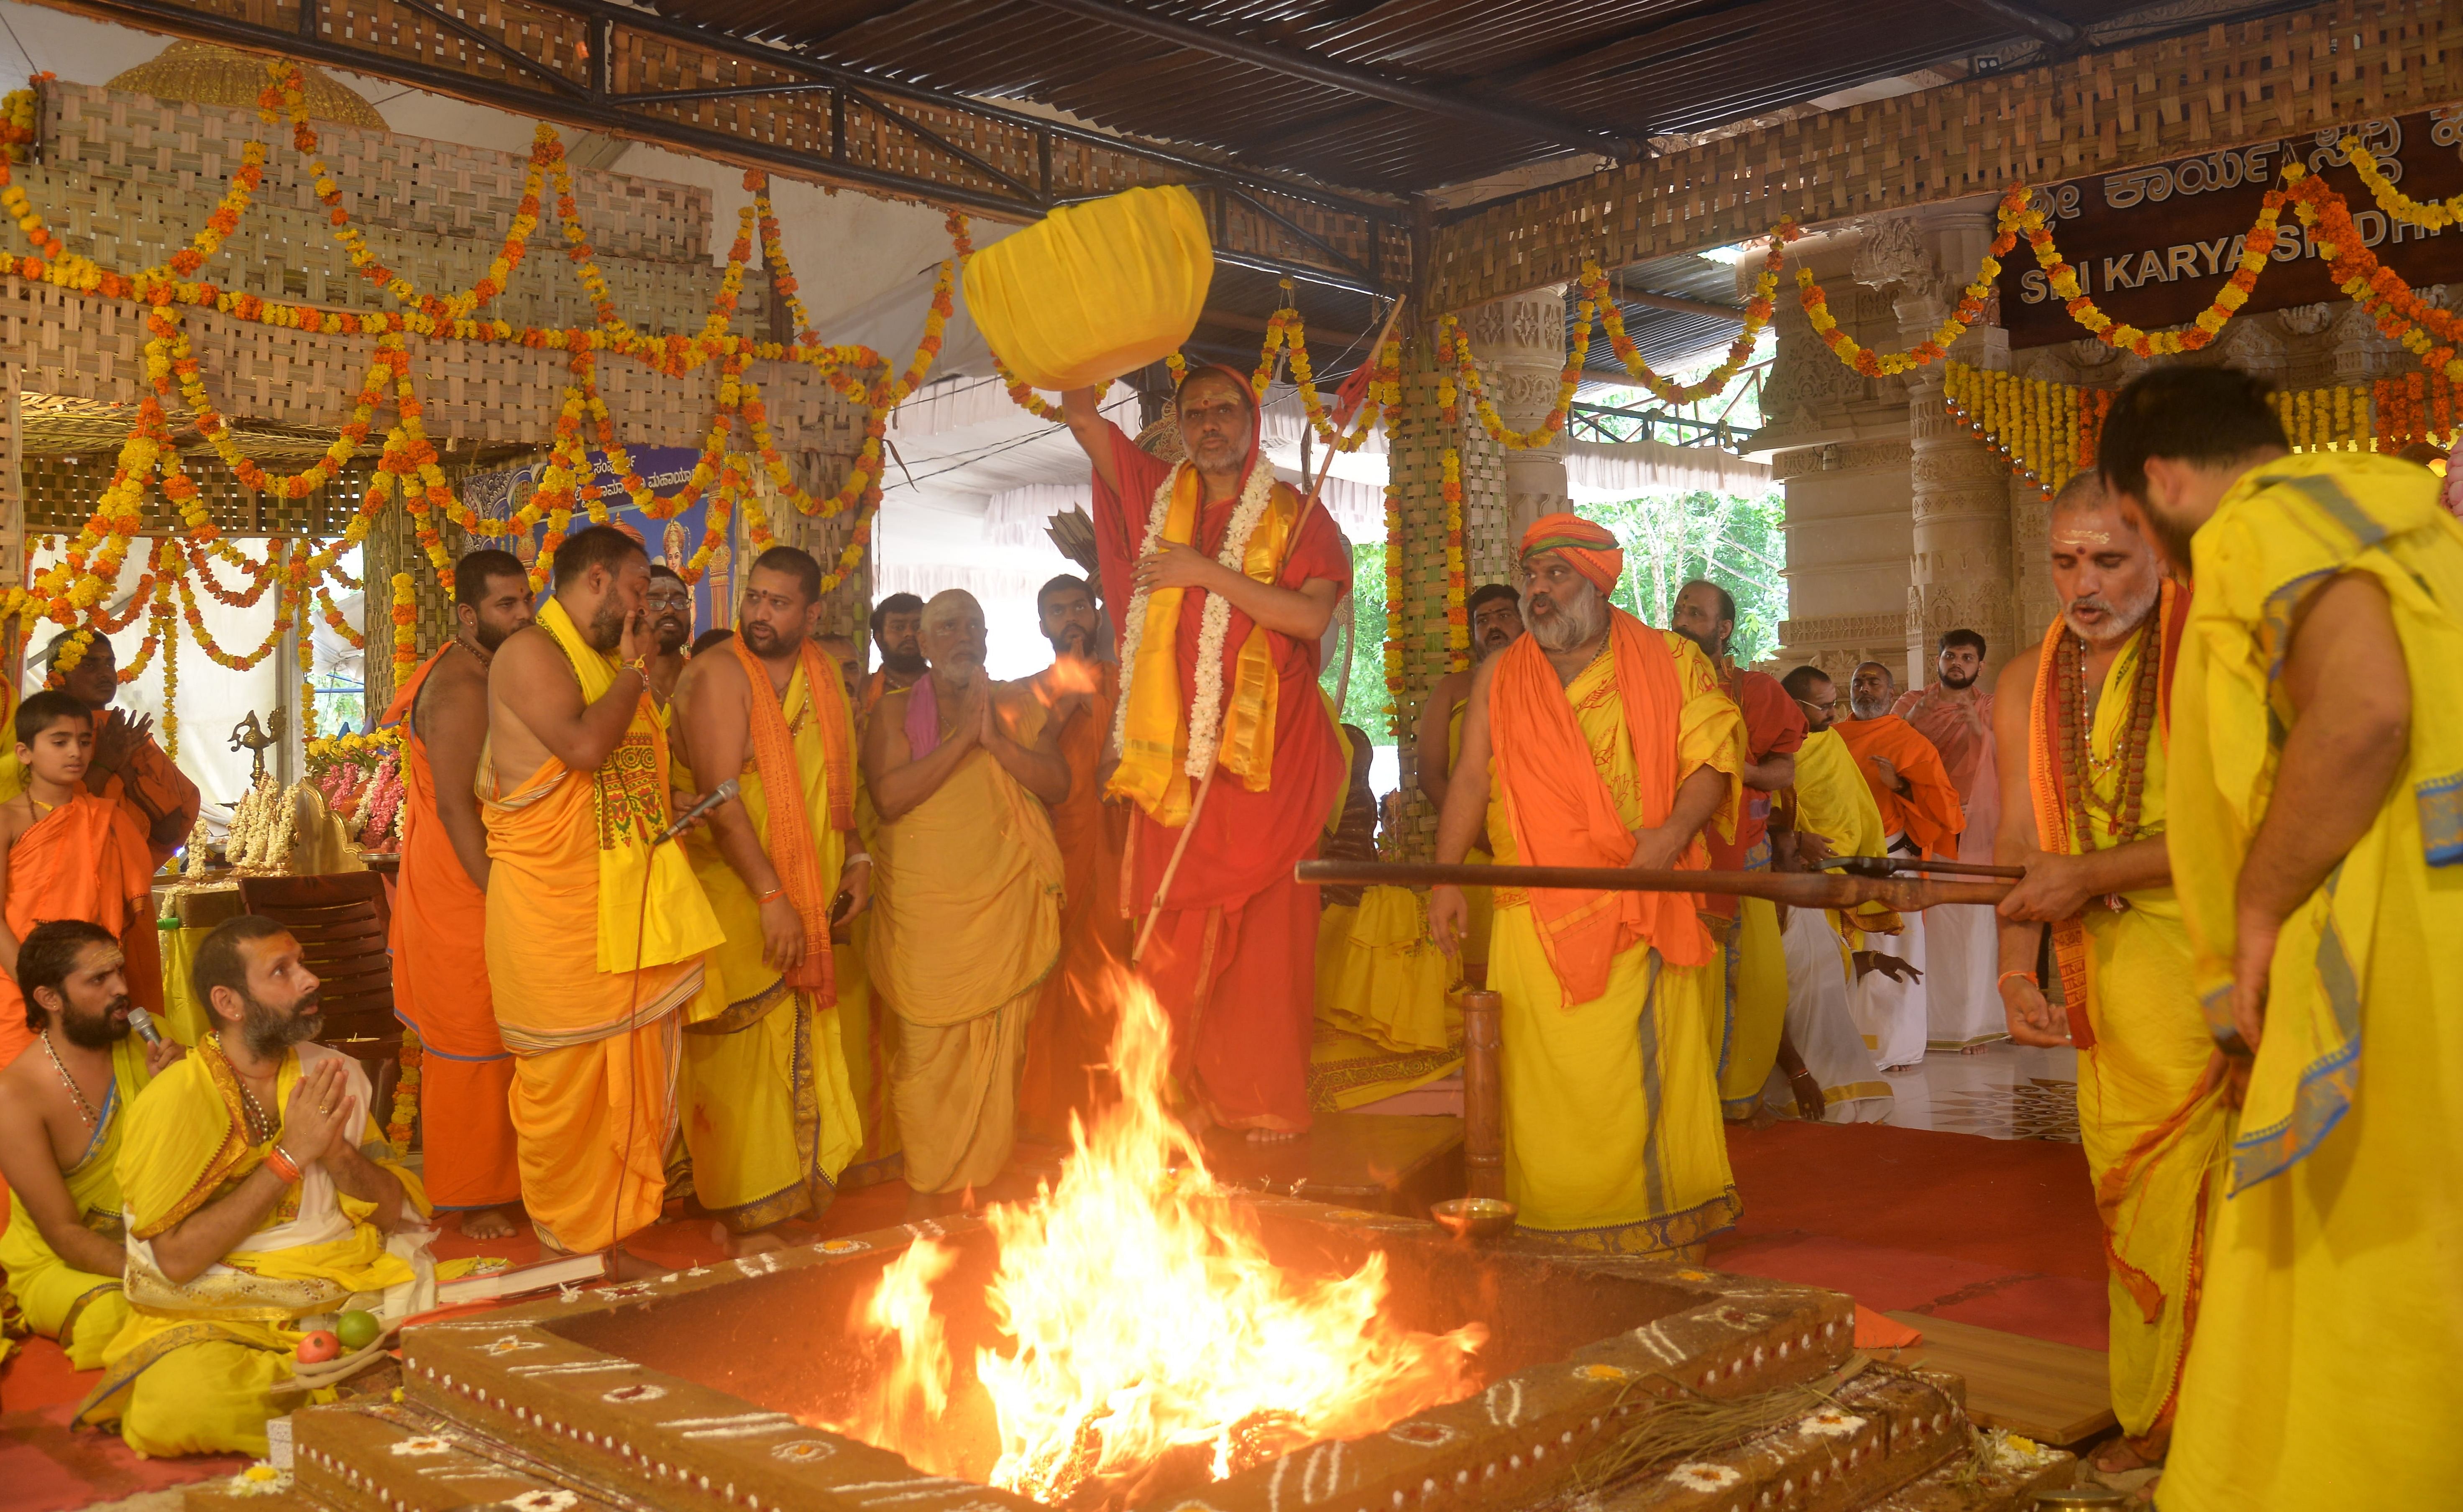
x=1960, y=573
x=1520, y=344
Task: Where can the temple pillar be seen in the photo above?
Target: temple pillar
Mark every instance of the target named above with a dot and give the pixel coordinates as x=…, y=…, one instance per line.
x=392, y=546
x=1959, y=487
x=1520, y=345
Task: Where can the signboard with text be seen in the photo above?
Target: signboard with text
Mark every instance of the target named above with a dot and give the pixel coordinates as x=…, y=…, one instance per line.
x=2154, y=245
x=498, y=495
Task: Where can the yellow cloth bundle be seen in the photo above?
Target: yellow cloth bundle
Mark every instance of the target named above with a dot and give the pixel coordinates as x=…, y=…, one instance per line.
x=1094, y=291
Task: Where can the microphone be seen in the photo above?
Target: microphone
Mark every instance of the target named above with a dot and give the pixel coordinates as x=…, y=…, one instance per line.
x=142, y=1023
x=708, y=800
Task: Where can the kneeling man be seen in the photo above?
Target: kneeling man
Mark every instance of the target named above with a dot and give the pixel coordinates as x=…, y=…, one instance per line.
x=259, y=1191
x=61, y=1112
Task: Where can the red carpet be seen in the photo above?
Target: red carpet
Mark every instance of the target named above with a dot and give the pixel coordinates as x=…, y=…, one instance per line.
x=2000, y=1233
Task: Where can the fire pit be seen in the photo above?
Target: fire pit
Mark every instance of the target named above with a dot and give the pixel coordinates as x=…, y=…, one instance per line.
x=701, y=1389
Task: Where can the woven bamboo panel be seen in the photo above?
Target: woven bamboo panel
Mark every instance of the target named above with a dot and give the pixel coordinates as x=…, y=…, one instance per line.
x=279, y=254
x=60, y=495
x=13, y=516
x=936, y=145
x=92, y=348
x=2278, y=77
x=392, y=546
x=407, y=183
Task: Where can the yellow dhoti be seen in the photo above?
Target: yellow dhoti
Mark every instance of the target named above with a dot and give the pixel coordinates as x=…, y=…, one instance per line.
x=770, y=1117
x=1752, y=975
x=2324, y=1372
x=80, y=1309
x=595, y=943
x=1613, y=1138
x=965, y=924
x=201, y=1366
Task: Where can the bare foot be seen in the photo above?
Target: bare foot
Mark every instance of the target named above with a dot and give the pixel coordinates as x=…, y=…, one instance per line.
x=2120, y=1457
x=752, y=1244
x=930, y=1204
x=488, y=1223
x=1273, y=1136
x=626, y=1265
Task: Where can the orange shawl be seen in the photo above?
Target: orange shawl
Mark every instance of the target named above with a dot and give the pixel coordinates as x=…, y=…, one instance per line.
x=790, y=838
x=1563, y=815
x=84, y=859
x=2056, y=830
x=1930, y=816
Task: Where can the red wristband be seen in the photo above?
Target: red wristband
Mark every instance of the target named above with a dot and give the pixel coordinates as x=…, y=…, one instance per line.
x=2006, y=976
x=282, y=1165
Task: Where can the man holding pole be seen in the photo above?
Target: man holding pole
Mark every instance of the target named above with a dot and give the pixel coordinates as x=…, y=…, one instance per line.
x=1612, y=746
x=1227, y=751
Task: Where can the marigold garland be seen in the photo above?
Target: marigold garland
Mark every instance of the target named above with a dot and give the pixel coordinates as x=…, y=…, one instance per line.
x=1969, y=309
x=405, y=629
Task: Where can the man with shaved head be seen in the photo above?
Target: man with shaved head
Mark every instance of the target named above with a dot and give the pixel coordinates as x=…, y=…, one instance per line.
x=1598, y=742
x=967, y=906
x=2083, y=763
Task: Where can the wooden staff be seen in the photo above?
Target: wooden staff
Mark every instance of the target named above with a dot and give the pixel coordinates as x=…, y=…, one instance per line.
x=1888, y=865
x=1800, y=889
x=1197, y=804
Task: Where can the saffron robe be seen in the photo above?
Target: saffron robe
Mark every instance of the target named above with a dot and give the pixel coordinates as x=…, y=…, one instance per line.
x=2152, y=1128
x=1233, y=954
x=589, y=987
x=1479, y=904
x=1832, y=801
x=1613, y=1139
x=1753, y=964
x=2329, y=1324
x=768, y=1115
x=440, y=990
x=966, y=909
x=1069, y=1044
x=84, y=859
x=1930, y=816
x=196, y=1368
x=1962, y=941
x=80, y=1309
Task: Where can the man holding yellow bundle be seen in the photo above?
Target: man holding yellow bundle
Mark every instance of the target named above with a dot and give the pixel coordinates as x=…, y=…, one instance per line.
x=2314, y=822
x=1226, y=747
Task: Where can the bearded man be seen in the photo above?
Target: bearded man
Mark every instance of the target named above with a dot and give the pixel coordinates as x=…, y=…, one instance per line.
x=259, y=1191
x=670, y=600
x=770, y=1117
x=439, y=983
x=1828, y=811
x=61, y=1113
x=1921, y=817
x=1496, y=613
x=969, y=901
x=2082, y=733
x=1962, y=1010
x=1068, y=1044
x=1752, y=971
x=1612, y=746
x=1227, y=748
x=595, y=931
x=2313, y=827
x=897, y=626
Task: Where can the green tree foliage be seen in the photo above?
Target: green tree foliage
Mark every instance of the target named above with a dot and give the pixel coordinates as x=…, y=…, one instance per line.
x=1364, y=702
x=1737, y=542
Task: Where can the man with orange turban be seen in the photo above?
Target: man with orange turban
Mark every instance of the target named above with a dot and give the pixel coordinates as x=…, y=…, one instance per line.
x=1226, y=748
x=1606, y=743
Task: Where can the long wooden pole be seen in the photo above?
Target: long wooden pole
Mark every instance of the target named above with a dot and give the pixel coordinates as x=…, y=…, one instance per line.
x=1802, y=889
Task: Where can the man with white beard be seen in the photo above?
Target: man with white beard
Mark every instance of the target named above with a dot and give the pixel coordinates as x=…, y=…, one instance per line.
x=2082, y=751
x=1613, y=746
x=1962, y=1011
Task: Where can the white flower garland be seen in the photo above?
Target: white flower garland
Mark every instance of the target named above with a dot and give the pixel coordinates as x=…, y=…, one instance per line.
x=1205, y=700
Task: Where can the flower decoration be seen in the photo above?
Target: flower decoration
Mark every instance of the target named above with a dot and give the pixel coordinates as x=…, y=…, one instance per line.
x=1830, y=1422
x=1704, y=1475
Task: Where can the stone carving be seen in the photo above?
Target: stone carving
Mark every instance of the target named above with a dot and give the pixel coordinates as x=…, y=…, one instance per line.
x=1840, y=457
x=1807, y=378
x=1895, y=251
x=1860, y=627
x=2306, y=319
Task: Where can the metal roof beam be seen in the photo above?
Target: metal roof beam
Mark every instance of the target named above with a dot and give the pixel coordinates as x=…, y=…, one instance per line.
x=2027, y=21
x=1296, y=63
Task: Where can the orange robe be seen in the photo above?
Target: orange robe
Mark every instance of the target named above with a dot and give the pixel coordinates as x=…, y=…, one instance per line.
x=440, y=990
x=151, y=787
x=1930, y=815
x=83, y=860
x=1233, y=954
x=1069, y=1044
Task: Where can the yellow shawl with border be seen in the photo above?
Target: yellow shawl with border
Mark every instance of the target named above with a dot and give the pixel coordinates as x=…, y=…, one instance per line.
x=1154, y=741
